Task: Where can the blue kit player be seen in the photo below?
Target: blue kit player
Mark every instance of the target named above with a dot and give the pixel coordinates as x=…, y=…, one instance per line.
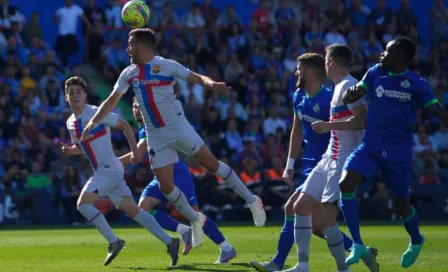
x=153, y=200
x=311, y=103
x=392, y=92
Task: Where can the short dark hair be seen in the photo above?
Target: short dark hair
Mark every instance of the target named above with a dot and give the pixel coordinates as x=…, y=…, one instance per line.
x=314, y=61
x=145, y=36
x=340, y=53
x=407, y=46
x=75, y=81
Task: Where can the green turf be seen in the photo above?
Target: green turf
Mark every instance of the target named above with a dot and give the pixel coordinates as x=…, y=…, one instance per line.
x=84, y=250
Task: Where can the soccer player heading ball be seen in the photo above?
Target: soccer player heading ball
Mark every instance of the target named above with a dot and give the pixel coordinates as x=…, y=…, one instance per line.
x=393, y=93
x=152, y=78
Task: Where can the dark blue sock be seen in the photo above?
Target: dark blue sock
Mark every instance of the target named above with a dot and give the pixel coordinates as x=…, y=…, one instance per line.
x=165, y=221
x=410, y=223
x=348, y=243
x=285, y=242
x=211, y=230
x=350, y=209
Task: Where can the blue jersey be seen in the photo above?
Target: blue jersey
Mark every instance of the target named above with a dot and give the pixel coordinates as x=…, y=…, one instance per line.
x=309, y=110
x=392, y=100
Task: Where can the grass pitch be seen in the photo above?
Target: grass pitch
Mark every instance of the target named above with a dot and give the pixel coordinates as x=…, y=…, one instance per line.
x=83, y=249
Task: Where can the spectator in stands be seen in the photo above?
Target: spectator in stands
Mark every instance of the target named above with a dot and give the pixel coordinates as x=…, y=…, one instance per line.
x=334, y=36
x=337, y=15
x=169, y=17
x=277, y=190
x=233, y=137
x=438, y=21
x=251, y=177
x=405, y=17
x=67, y=20
x=69, y=187
x=381, y=17
x=113, y=14
x=359, y=14
x=286, y=20
x=8, y=14
x=229, y=17
x=440, y=139
x=311, y=13
x=233, y=70
x=194, y=18
x=209, y=12
x=262, y=16
x=314, y=32
x=116, y=59
x=273, y=122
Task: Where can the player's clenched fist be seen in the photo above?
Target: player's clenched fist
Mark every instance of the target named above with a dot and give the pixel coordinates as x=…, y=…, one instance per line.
x=320, y=127
x=69, y=149
x=288, y=176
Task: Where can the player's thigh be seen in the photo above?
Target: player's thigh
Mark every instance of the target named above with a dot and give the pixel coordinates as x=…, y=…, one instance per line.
x=162, y=162
x=313, y=188
x=359, y=166
x=398, y=175
x=151, y=196
x=100, y=184
x=206, y=158
x=289, y=206
x=148, y=203
x=331, y=191
x=121, y=197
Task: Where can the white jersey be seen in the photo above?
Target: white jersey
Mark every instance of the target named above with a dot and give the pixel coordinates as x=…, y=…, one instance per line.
x=153, y=87
x=343, y=141
x=98, y=147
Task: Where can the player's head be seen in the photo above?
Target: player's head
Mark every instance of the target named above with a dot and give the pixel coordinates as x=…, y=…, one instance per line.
x=337, y=57
x=141, y=42
x=76, y=92
x=399, y=52
x=136, y=111
x=310, y=67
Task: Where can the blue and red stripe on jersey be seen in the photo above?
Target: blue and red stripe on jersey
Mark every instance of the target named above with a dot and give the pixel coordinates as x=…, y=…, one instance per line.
x=340, y=112
x=147, y=81
x=94, y=134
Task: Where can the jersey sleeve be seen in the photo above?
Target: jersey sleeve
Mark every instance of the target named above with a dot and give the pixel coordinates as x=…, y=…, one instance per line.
x=178, y=70
x=425, y=94
x=122, y=84
x=369, y=78
x=142, y=134
x=296, y=99
x=110, y=120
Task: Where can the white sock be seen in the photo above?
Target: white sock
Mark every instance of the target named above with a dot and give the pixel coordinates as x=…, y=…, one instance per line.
x=304, y=266
x=147, y=221
x=226, y=247
x=182, y=229
x=94, y=216
x=180, y=201
x=231, y=179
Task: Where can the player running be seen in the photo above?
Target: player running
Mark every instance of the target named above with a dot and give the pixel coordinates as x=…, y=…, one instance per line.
x=393, y=93
x=152, y=200
x=311, y=103
x=107, y=179
x=322, y=186
x=152, y=79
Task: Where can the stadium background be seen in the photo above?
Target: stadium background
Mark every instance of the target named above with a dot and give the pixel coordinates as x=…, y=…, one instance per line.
x=254, y=50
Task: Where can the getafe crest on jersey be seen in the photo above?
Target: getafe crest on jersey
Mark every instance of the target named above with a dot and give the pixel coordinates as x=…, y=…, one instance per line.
x=405, y=84
x=316, y=107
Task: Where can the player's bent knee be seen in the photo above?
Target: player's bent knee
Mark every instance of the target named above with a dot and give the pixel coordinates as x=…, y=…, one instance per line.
x=86, y=198
x=289, y=206
x=304, y=205
x=148, y=203
x=402, y=206
x=350, y=181
x=129, y=207
x=165, y=177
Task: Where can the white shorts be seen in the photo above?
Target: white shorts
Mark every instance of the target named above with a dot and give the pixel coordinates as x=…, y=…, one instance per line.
x=110, y=183
x=322, y=183
x=164, y=143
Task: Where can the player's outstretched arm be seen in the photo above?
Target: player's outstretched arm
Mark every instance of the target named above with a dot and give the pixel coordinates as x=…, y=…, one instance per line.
x=352, y=94
x=356, y=122
x=129, y=134
x=207, y=82
x=70, y=150
x=142, y=147
x=295, y=143
x=105, y=108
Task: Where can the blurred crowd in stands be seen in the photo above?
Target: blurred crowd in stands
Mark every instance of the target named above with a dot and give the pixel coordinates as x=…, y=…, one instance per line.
x=248, y=127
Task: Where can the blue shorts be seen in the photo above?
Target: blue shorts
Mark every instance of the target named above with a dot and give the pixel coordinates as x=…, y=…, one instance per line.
x=396, y=166
x=182, y=179
x=307, y=167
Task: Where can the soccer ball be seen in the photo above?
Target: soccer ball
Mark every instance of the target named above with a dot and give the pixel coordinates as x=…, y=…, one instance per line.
x=135, y=13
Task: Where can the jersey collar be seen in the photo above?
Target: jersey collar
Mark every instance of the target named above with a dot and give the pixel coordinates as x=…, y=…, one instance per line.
x=316, y=94
x=389, y=73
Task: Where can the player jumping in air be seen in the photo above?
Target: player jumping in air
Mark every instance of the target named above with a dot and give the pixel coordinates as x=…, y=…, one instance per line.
x=393, y=93
x=152, y=200
x=107, y=179
x=311, y=103
x=152, y=79
x=322, y=186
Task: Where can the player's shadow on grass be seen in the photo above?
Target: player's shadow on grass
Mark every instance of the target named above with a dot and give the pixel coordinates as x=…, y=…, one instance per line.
x=132, y=268
x=193, y=267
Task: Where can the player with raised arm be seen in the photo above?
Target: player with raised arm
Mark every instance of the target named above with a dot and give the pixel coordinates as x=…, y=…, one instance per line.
x=152, y=200
x=322, y=186
x=152, y=78
x=393, y=93
x=311, y=103
x=107, y=179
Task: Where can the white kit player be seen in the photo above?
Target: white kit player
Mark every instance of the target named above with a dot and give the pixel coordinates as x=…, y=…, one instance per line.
x=322, y=185
x=108, y=177
x=152, y=78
